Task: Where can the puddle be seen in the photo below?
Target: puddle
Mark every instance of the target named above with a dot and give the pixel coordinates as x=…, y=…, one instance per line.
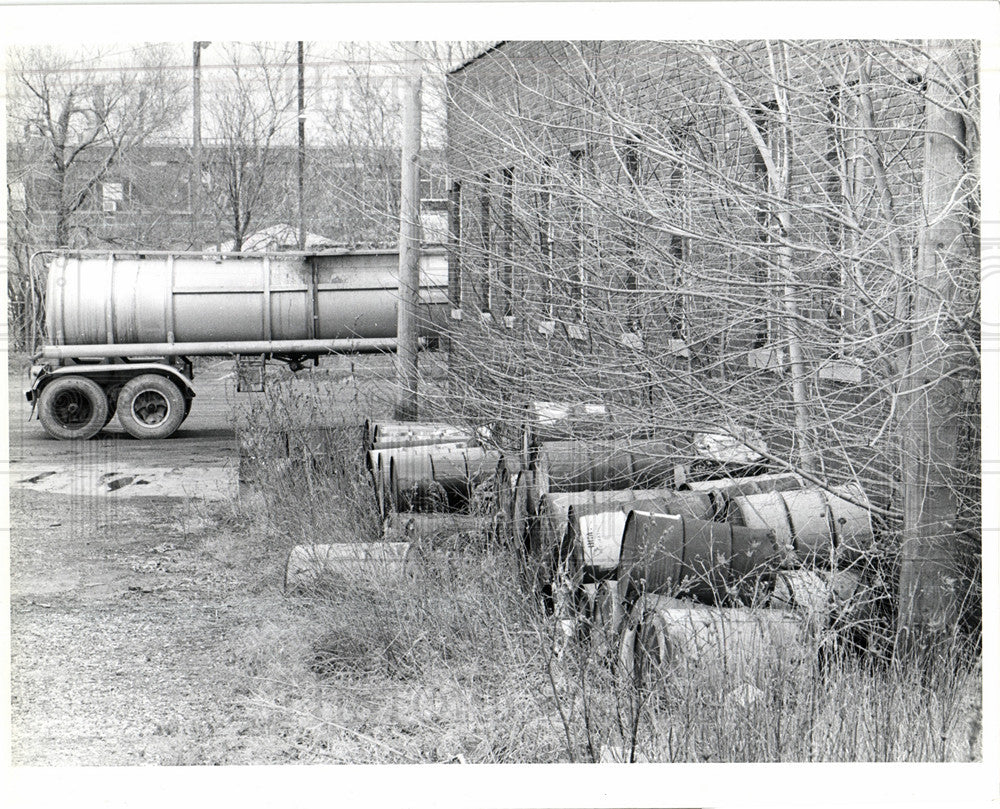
x=37, y=478
x=201, y=483
x=118, y=483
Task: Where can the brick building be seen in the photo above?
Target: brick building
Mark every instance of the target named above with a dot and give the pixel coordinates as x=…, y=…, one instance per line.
x=698, y=231
x=144, y=201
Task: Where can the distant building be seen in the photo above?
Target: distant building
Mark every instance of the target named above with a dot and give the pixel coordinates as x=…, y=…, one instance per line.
x=144, y=201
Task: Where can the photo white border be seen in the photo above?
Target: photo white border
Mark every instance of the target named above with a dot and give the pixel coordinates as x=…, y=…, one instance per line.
x=951, y=785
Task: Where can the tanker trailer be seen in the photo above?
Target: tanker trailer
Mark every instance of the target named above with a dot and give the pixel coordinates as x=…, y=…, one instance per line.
x=121, y=328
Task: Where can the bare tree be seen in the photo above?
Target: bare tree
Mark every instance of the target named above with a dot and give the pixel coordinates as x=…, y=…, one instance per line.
x=758, y=238
x=249, y=115
x=79, y=118
x=355, y=168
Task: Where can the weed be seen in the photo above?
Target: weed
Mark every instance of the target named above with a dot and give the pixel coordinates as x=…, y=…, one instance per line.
x=456, y=659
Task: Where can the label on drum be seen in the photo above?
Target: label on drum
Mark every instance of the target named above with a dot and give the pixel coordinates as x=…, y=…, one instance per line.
x=601, y=538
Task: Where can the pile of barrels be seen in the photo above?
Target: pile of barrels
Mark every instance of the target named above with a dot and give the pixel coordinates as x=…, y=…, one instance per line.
x=425, y=477
x=624, y=549
x=617, y=543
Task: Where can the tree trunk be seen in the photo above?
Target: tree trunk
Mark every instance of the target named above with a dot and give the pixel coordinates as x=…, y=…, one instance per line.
x=928, y=588
x=62, y=212
x=408, y=321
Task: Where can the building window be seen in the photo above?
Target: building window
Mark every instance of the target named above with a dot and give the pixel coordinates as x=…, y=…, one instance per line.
x=578, y=273
x=455, y=244
x=765, y=119
x=507, y=240
x=545, y=241
x=112, y=196
x=678, y=196
x=630, y=239
x=485, y=246
x=843, y=191
x=662, y=189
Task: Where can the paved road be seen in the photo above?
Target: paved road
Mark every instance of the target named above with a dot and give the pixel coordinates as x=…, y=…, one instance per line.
x=200, y=457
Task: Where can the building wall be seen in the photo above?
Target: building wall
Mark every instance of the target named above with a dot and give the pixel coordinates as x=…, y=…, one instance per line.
x=614, y=212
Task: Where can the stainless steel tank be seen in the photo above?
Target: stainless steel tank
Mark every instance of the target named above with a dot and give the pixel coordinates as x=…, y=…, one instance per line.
x=184, y=298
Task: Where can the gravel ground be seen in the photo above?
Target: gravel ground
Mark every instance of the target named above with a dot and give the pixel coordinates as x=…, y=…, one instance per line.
x=126, y=632
x=136, y=619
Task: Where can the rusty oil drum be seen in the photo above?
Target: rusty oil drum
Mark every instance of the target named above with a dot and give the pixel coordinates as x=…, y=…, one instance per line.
x=594, y=530
x=673, y=555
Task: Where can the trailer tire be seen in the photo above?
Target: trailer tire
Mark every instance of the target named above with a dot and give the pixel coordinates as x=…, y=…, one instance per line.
x=73, y=407
x=150, y=406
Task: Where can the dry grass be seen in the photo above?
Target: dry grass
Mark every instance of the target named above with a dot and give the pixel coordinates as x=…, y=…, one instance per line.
x=456, y=662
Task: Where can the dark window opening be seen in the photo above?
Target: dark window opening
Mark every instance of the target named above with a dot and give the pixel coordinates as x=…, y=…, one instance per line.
x=486, y=245
x=763, y=118
x=506, y=240
x=577, y=281
x=455, y=256
x=545, y=242
x=630, y=238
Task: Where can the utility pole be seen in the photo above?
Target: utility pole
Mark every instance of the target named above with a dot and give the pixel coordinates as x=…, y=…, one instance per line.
x=195, y=190
x=302, y=147
x=408, y=317
x=929, y=578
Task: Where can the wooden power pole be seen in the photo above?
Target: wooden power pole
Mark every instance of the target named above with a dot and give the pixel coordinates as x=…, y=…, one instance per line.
x=408, y=319
x=929, y=586
x=302, y=147
x=195, y=190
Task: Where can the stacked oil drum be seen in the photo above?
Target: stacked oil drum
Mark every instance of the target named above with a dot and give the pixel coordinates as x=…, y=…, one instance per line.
x=626, y=551
x=619, y=545
x=424, y=477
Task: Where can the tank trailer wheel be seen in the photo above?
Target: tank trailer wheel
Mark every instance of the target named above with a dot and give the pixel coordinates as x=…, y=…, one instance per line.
x=73, y=407
x=150, y=406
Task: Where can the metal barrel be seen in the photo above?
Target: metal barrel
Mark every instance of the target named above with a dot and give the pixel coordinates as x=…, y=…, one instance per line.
x=818, y=527
x=374, y=468
x=385, y=435
x=367, y=435
x=764, y=511
x=756, y=484
x=411, y=479
x=664, y=637
x=594, y=531
x=456, y=440
x=522, y=512
x=461, y=471
x=378, y=463
x=812, y=530
x=438, y=477
x=135, y=299
x=553, y=511
x=852, y=523
x=668, y=554
x=815, y=592
x=555, y=421
x=502, y=494
x=572, y=466
x=309, y=565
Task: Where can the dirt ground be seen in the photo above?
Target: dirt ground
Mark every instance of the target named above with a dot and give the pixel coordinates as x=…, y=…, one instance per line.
x=134, y=591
